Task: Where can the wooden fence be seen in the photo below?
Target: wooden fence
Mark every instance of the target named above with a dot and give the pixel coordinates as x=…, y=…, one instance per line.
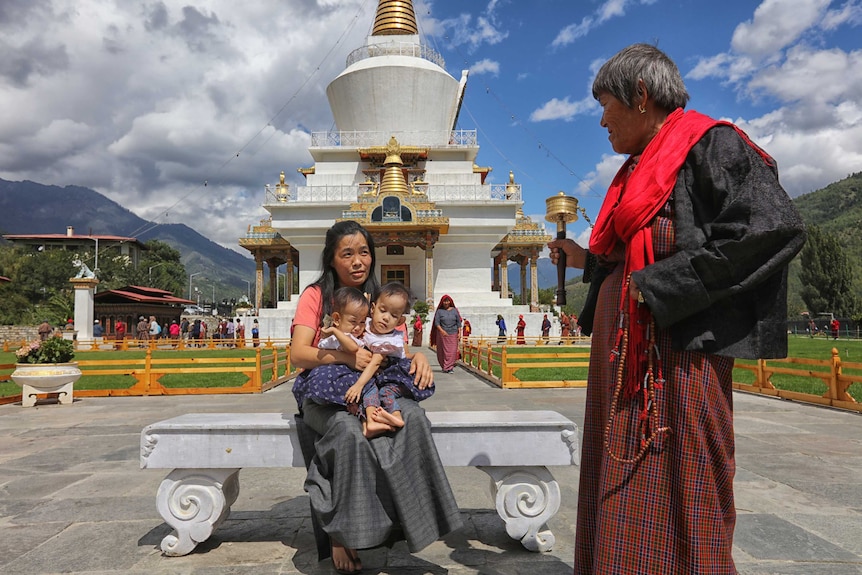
x=829, y=371
x=499, y=364
x=129, y=344
x=148, y=371
x=488, y=358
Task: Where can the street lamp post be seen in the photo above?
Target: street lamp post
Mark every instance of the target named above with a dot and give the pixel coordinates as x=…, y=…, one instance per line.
x=96, y=261
x=190, y=282
x=150, y=273
x=248, y=290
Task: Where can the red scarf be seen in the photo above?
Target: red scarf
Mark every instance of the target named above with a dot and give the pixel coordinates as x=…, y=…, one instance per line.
x=635, y=196
x=626, y=217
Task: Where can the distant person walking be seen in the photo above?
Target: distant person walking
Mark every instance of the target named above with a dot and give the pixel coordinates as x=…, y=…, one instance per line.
x=417, y=332
x=835, y=326
x=522, y=325
x=240, y=333
x=119, y=332
x=142, y=331
x=501, y=329
x=444, y=331
x=546, y=328
x=45, y=330
x=255, y=333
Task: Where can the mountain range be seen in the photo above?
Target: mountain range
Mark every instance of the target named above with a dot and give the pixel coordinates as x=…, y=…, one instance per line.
x=32, y=208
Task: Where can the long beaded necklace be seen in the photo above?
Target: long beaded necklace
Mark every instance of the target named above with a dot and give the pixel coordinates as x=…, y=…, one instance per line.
x=648, y=415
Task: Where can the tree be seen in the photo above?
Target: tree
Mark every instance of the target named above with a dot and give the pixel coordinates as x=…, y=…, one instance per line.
x=160, y=268
x=827, y=275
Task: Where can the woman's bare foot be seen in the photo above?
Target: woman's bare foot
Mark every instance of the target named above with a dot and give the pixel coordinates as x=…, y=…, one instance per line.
x=354, y=555
x=344, y=560
x=393, y=419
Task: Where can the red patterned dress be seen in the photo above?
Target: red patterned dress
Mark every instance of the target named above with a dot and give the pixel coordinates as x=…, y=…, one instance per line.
x=672, y=511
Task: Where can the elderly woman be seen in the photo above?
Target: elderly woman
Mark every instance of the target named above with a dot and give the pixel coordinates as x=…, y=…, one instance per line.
x=444, y=333
x=362, y=492
x=688, y=261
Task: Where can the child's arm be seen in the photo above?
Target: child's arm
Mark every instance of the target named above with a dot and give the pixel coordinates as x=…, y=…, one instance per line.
x=347, y=343
x=355, y=392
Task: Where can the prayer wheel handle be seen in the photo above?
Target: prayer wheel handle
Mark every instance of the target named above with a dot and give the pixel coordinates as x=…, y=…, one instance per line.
x=561, y=209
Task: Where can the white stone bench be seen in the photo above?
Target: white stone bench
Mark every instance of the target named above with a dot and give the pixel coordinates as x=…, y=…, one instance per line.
x=207, y=450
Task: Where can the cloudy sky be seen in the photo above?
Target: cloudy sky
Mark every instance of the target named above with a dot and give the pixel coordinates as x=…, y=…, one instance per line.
x=183, y=111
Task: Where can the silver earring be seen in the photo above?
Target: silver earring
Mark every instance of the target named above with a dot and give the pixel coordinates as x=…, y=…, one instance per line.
x=641, y=109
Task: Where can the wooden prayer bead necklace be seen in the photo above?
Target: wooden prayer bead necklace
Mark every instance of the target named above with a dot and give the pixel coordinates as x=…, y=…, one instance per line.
x=650, y=410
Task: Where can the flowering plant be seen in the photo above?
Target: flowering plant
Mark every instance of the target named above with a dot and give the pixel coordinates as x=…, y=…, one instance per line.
x=52, y=350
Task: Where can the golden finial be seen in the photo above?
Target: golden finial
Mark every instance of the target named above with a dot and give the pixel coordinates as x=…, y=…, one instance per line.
x=393, y=153
x=393, y=178
x=395, y=17
x=282, y=190
x=511, y=188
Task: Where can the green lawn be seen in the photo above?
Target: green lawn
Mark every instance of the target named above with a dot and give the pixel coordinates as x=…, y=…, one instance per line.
x=175, y=380
x=798, y=346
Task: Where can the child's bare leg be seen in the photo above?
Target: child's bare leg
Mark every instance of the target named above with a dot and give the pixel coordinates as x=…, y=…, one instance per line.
x=371, y=427
x=394, y=419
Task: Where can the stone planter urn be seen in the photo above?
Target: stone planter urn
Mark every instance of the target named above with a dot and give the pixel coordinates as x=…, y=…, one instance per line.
x=36, y=378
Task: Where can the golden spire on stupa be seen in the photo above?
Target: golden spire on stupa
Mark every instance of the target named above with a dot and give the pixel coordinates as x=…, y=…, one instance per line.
x=393, y=178
x=394, y=17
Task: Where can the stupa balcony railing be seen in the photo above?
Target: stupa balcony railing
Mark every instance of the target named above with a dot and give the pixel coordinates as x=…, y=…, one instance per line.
x=367, y=139
x=396, y=49
x=358, y=193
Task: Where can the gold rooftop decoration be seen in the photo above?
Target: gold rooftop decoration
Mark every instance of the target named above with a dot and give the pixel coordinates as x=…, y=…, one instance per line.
x=395, y=17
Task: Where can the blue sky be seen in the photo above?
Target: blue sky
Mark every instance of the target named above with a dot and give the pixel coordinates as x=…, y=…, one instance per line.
x=182, y=112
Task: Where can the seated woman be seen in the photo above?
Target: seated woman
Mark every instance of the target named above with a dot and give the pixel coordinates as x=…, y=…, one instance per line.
x=363, y=492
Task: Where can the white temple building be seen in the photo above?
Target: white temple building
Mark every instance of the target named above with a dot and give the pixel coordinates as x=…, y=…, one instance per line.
x=397, y=165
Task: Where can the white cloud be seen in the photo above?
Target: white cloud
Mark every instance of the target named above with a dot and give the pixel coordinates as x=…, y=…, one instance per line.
x=598, y=180
x=485, y=66
x=776, y=24
x=465, y=29
x=565, y=109
x=145, y=102
x=572, y=32
x=607, y=10
x=775, y=57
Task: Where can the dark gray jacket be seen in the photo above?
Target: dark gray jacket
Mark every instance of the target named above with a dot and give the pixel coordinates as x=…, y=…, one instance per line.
x=725, y=290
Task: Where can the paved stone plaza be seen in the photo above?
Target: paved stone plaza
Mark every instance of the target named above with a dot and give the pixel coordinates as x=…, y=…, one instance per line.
x=74, y=500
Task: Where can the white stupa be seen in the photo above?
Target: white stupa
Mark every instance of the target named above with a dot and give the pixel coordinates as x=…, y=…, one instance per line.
x=397, y=165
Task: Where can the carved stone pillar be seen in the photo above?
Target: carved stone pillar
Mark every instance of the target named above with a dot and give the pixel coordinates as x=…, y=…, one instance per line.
x=273, y=284
x=504, y=274
x=523, y=264
x=258, y=281
x=429, y=270
x=534, y=280
x=289, y=275
x=495, y=279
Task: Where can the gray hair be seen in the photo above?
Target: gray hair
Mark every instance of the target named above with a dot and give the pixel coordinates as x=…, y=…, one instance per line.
x=619, y=77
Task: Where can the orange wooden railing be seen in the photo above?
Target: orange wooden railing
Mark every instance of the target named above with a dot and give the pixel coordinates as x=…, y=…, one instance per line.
x=148, y=371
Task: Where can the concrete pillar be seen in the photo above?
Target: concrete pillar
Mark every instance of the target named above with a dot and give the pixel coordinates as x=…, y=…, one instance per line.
x=84, y=290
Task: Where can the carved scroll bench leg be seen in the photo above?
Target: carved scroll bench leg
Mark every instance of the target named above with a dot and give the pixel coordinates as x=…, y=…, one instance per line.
x=526, y=498
x=195, y=502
